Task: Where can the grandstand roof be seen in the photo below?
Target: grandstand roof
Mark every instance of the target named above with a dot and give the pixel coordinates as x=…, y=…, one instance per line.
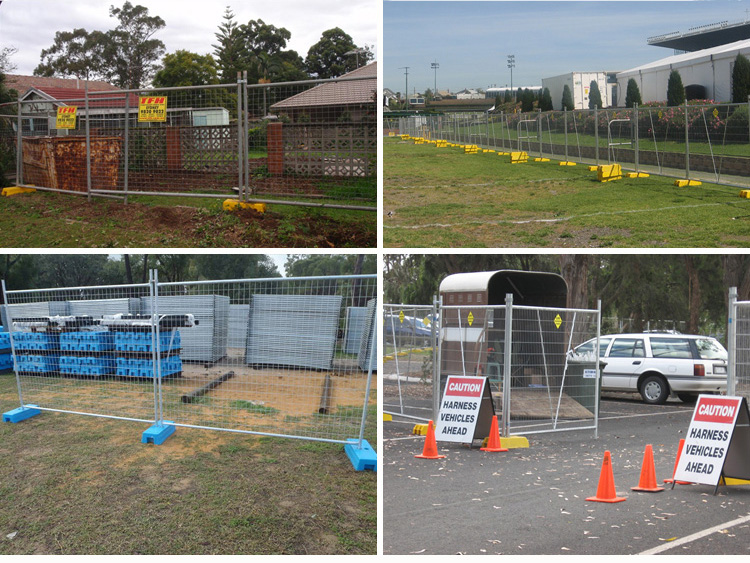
x=703, y=36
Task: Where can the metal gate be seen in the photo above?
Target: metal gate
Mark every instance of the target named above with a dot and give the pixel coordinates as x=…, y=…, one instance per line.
x=164, y=353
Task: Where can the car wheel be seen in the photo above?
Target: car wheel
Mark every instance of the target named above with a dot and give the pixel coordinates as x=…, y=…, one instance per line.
x=688, y=398
x=654, y=390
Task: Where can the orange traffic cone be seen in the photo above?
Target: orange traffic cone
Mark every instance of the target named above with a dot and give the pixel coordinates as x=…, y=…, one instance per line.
x=605, y=492
x=647, y=483
x=493, y=442
x=676, y=462
x=430, y=445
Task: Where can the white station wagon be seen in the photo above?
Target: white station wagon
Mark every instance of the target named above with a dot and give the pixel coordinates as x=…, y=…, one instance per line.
x=657, y=364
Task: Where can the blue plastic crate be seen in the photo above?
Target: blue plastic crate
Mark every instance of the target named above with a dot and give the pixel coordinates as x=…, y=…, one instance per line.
x=131, y=367
x=38, y=364
x=95, y=366
x=87, y=341
x=6, y=362
x=4, y=340
x=141, y=341
x=36, y=341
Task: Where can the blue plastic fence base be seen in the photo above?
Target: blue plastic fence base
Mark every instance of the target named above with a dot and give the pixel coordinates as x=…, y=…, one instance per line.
x=362, y=458
x=21, y=413
x=158, y=434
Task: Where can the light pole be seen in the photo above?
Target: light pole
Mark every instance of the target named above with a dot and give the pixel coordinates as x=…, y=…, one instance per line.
x=511, y=64
x=406, y=72
x=434, y=66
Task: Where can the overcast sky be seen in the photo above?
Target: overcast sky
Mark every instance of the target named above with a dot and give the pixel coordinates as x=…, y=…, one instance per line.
x=470, y=41
x=30, y=25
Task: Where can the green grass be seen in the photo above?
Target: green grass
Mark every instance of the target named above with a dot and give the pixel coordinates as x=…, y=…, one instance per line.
x=80, y=485
x=444, y=198
x=50, y=220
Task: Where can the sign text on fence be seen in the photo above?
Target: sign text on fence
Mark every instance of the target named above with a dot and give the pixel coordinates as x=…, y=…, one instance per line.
x=152, y=108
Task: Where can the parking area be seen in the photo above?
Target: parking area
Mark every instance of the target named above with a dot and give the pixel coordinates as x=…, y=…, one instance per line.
x=532, y=500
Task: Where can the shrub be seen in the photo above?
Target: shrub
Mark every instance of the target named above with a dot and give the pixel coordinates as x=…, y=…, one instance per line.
x=567, y=99
x=675, y=89
x=595, y=96
x=741, y=79
x=632, y=94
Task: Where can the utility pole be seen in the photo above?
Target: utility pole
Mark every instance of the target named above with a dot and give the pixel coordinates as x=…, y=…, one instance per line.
x=406, y=72
x=511, y=65
x=434, y=66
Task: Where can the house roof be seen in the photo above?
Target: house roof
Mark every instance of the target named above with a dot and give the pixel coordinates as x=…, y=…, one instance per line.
x=337, y=93
x=77, y=95
x=22, y=83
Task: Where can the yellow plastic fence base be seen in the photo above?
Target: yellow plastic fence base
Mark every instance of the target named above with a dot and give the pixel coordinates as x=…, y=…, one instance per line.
x=541, y=159
x=683, y=183
x=233, y=204
x=609, y=172
x=387, y=417
x=502, y=153
x=567, y=163
x=745, y=193
x=7, y=192
x=471, y=149
x=637, y=175
x=510, y=442
x=593, y=168
x=517, y=157
x=420, y=429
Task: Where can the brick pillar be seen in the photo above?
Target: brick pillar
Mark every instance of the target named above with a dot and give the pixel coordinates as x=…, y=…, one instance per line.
x=174, y=150
x=275, y=147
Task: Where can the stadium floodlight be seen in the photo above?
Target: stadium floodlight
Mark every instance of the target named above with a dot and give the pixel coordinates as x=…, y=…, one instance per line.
x=434, y=66
x=406, y=72
x=511, y=65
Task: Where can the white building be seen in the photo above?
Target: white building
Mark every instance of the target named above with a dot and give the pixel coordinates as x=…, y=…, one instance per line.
x=470, y=94
x=709, y=68
x=580, y=85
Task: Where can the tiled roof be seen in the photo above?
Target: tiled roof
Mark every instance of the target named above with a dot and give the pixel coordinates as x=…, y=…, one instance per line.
x=338, y=93
x=22, y=83
x=76, y=96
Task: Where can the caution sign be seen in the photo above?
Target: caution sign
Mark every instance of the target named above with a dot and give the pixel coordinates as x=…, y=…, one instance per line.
x=152, y=108
x=466, y=410
x=717, y=443
x=66, y=117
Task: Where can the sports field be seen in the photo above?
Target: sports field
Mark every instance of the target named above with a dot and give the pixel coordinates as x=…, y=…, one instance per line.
x=442, y=197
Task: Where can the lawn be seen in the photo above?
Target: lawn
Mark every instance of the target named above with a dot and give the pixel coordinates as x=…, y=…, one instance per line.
x=48, y=220
x=441, y=197
x=82, y=485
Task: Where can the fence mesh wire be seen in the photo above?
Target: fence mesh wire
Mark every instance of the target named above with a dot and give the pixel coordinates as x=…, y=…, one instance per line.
x=312, y=141
x=742, y=349
x=703, y=141
x=288, y=357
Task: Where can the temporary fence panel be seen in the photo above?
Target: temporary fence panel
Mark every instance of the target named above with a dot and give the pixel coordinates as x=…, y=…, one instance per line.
x=143, y=366
x=738, y=346
x=410, y=336
x=525, y=352
x=308, y=143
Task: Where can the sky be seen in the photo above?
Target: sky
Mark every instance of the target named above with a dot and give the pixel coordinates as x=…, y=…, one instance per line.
x=471, y=41
x=30, y=25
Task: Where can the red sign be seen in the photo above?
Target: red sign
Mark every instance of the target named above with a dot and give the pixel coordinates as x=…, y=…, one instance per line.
x=717, y=410
x=465, y=387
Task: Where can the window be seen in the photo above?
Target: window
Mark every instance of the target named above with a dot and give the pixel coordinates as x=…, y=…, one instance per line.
x=671, y=348
x=627, y=348
x=710, y=349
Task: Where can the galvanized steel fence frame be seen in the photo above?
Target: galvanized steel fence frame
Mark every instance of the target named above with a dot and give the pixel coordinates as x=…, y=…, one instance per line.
x=712, y=144
x=291, y=378
x=738, y=346
x=564, y=382
x=324, y=152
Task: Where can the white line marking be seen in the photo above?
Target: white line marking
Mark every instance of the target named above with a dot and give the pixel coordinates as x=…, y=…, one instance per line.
x=696, y=536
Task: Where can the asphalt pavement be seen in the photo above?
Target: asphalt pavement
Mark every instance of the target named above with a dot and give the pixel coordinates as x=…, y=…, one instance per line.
x=532, y=500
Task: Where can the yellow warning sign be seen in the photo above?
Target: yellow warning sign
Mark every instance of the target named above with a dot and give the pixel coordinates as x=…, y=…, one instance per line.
x=426, y=321
x=401, y=317
x=152, y=108
x=716, y=113
x=558, y=321
x=470, y=318
x=66, y=117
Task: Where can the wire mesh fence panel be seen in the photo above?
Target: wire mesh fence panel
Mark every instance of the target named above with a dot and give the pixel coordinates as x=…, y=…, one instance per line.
x=410, y=340
x=547, y=387
x=742, y=349
x=551, y=386
x=74, y=352
x=301, y=365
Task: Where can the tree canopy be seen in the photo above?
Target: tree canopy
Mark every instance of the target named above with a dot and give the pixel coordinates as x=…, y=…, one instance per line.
x=567, y=99
x=328, y=58
x=675, y=89
x=595, y=96
x=741, y=79
x=632, y=94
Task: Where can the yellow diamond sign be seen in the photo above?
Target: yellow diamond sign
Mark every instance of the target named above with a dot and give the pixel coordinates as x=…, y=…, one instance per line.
x=401, y=317
x=558, y=321
x=716, y=112
x=470, y=318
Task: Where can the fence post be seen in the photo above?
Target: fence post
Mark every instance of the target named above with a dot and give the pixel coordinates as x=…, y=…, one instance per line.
x=687, y=145
x=732, y=341
x=636, y=134
x=437, y=306
x=507, y=352
x=19, y=148
x=565, y=126
x=246, y=143
x=127, y=145
x=596, y=132
x=240, y=137
x=598, y=373
x=88, y=142
x=12, y=344
x=539, y=130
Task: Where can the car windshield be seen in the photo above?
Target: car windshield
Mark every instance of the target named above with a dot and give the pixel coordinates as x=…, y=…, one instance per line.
x=710, y=349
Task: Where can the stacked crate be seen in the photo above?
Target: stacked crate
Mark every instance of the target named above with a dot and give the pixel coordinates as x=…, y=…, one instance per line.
x=133, y=354
x=37, y=352
x=87, y=353
x=6, y=360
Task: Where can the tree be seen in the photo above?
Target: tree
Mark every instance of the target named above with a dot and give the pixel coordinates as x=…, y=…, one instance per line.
x=632, y=94
x=675, y=89
x=545, y=102
x=741, y=79
x=328, y=58
x=567, y=99
x=183, y=68
x=595, y=96
x=6, y=65
x=127, y=56
x=229, y=50
x=527, y=101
